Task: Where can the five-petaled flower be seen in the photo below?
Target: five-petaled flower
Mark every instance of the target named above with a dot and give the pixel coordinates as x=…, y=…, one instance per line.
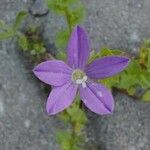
x=77, y=76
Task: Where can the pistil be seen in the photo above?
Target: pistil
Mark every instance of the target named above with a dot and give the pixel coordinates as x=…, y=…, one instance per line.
x=79, y=77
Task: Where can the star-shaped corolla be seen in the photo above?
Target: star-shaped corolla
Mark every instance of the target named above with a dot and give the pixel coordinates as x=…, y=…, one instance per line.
x=76, y=76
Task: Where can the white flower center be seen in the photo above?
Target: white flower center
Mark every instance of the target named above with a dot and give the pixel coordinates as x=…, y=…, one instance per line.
x=79, y=77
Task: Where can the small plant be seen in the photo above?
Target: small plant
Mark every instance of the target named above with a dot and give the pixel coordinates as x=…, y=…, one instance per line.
x=30, y=41
x=73, y=12
x=11, y=31
x=76, y=76
x=135, y=80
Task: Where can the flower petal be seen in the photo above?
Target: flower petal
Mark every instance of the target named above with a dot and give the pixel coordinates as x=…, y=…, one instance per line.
x=78, y=48
x=106, y=66
x=53, y=72
x=61, y=98
x=97, y=98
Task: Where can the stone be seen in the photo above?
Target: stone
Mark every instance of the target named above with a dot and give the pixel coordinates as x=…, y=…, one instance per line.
x=24, y=124
x=38, y=8
x=117, y=24
x=126, y=129
x=125, y=23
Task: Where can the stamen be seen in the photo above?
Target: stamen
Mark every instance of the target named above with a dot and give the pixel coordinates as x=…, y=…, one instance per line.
x=83, y=84
x=84, y=78
x=79, y=81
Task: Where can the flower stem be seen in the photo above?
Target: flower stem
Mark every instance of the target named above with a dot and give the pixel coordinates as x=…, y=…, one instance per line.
x=67, y=15
x=73, y=134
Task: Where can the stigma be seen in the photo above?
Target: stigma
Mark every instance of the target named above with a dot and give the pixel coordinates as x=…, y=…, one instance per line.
x=79, y=77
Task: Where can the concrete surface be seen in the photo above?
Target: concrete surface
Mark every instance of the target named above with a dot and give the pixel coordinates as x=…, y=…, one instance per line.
x=24, y=124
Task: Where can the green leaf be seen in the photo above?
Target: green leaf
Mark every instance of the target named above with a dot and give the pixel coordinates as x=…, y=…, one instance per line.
x=131, y=90
x=7, y=34
x=59, y=6
x=62, y=38
x=148, y=61
x=106, y=52
x=103, y=52
x=110, y=82
x=134, y=67
x=2, y=24
x=77, y=15
x=127, y=81
x=131, y=78
x=19, y=19
x=56, y=6
x=61, y=55
x=22, y=41
x=77, y=115
x=69, y=141
x=72, y=11
x=38, y=47
x=64, y=138
x=144, y=58
x=146, y=96
x=144, y=79
x=64, y=116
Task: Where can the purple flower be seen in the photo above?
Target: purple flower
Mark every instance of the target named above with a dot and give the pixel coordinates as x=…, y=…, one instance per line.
x=77, y=75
